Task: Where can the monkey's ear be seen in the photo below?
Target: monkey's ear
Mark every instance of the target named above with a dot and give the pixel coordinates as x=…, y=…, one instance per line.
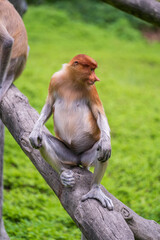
x=75, y=63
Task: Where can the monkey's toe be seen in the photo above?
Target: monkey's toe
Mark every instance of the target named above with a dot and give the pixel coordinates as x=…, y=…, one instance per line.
x=35, y=140
x=67, y=178
x=96, y=193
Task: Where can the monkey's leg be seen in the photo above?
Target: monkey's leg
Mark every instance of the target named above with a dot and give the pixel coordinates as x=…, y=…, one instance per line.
x=60, y=158
x=6, y=43
x=5, y=85
x=100, y=168
x=89, y=157
x=15, y=68
x=96, y=192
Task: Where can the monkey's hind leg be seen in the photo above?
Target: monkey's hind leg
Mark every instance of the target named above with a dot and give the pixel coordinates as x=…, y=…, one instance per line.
x=6, y=43
x=5, y=85
x=15, y=68
x=60, y=158
x=96, y=192
x=88, y=158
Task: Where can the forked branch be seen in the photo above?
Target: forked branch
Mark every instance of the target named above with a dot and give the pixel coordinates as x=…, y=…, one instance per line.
x=93, y=220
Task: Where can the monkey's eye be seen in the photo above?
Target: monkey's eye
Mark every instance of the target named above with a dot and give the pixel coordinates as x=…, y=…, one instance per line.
x=76, y=62
x=92, y=69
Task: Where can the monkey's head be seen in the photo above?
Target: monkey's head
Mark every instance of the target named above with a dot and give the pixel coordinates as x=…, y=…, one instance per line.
x=84, y=67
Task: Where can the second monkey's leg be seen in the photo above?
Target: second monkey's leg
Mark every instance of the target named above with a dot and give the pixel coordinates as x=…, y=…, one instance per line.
x=6, y=43
x=100, y=168
x=60, y=158
x=15, y=67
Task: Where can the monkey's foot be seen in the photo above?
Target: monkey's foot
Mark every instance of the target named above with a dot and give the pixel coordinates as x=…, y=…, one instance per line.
x=67, y=178
x=96, y=193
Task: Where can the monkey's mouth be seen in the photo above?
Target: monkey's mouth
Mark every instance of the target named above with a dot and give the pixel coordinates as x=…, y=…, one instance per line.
x=91, y=82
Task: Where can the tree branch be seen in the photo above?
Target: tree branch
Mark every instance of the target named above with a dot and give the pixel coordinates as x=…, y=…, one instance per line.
x=93, y=220
x=148, y=10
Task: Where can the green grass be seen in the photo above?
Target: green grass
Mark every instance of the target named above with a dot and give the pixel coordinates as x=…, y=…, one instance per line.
x=129, y=88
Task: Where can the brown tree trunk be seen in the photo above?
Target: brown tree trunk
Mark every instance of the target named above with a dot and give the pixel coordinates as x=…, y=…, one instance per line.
x=95, y=222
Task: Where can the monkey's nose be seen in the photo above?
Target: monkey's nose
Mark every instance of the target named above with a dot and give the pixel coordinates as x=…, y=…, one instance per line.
x=97, y=79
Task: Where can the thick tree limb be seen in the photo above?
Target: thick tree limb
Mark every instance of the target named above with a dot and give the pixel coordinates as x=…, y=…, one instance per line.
x=96, y=222
x=148, y=10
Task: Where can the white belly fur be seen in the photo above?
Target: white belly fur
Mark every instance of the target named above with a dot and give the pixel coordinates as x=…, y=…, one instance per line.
x=71, y=122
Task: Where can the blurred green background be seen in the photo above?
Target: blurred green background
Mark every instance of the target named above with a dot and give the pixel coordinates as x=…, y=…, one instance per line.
x=129, y=69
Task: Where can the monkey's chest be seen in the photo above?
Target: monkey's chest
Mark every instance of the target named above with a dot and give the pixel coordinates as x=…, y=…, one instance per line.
x=75, y=125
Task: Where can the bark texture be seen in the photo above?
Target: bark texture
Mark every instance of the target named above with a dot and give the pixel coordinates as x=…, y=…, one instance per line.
x=148, y=10
x=96, y=222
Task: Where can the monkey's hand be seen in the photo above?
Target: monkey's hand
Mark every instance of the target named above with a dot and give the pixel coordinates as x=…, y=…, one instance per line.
x=67, y=178
x=104, y=149
x=96, y=193
x=35, y=139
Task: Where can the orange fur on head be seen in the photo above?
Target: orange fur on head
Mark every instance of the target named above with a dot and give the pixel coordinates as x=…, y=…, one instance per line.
x=84, y=67
x=84, y=60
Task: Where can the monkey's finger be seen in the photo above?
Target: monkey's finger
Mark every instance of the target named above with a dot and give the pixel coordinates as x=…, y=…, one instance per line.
x=107, y=156
x=36, y=145
x=103, y=202
x=68, y=183
x=32, y=141
x=93, y=195
x=109, y=204
x=101, y=156
x=67, y=174
x=67, y=179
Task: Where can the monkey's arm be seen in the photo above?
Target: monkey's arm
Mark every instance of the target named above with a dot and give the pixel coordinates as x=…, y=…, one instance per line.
x=36, y=134
x=104, y=145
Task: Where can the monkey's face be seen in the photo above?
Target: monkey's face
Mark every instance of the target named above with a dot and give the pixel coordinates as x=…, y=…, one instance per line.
x=92, y=77
x=84, y=69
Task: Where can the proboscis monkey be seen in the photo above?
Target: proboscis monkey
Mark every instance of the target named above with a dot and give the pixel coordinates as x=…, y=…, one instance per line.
x=13, y=46
x=81, y=127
